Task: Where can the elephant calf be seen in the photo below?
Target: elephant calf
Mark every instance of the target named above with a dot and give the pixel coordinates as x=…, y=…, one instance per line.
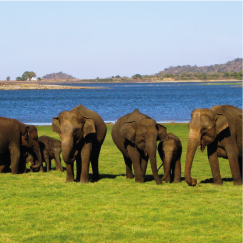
x=170, y=153
x=50, y=149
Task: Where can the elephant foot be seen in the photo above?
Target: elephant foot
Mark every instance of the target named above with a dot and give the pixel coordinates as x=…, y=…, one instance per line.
x=129, y=176
x=139, y=179
x=238, y=183
x=69, y=180
x=84, y=181
x=217, y=182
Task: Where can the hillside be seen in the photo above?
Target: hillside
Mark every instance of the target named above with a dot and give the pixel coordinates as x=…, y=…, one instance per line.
x=231, y=66
x=58, y=76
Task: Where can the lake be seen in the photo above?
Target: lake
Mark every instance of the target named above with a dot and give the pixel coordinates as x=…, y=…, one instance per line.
x=164, y=102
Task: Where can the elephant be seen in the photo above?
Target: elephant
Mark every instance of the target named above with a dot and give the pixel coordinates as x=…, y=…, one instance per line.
x=136, y=136
x=13, y=135
x=220, y=129
x=50, y=149
x=170, y=153
x=82, y=132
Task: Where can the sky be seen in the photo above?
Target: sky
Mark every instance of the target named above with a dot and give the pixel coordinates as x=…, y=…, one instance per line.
x=90, y=39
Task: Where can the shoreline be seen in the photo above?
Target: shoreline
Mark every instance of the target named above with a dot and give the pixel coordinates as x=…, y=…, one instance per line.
x=61, y=84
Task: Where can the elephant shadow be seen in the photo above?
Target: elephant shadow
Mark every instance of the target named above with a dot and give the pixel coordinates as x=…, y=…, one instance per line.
x=210, y=180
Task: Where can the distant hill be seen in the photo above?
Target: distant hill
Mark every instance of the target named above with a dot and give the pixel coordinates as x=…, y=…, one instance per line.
x=59, y=75
x=231, y=66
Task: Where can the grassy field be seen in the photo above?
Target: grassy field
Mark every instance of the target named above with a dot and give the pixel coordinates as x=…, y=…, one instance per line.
x=41, y=207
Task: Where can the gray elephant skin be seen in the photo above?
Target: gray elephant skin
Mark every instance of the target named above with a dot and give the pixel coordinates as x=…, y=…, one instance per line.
x=82, y=132
x=220, y=129
x=13, y=134
x=170, y=153
x=136, y=136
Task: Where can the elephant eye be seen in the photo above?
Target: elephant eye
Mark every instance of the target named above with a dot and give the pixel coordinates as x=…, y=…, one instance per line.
x=203, y=129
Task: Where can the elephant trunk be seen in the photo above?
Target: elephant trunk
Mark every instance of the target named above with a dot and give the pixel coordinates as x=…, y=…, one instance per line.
x=151, y=150
x=193, y=143
x=67, y=151
x=38, y=155
x=167, y=163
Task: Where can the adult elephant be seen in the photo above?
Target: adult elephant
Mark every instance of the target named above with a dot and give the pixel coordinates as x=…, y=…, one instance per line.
x=136, y=136
x=82, y=132
x=13, y=134
x=220, y=129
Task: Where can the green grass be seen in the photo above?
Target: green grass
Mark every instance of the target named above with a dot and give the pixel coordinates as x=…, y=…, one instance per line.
x=41, y=207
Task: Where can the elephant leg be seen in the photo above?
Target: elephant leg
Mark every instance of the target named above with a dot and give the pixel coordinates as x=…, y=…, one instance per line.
x=78, y=167
x=2, y=168
x=240, y=165
x=58, y=162
x=70, y=174
x=214, y=164
x=168, y=166
x=232, y=153
x=41, y=167
x=128, y=163
x=177, y=171
x=85, y=158
x=48, y=161
x=144, y=163
x=135, y=157
x=94, y=157
x=14, y=158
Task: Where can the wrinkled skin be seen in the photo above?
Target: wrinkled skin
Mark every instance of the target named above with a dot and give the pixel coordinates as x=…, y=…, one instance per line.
x=136, y=136
x=82, y=133
x=220, y=129
x=50, y=149
x=13, y=135
x=170, y=153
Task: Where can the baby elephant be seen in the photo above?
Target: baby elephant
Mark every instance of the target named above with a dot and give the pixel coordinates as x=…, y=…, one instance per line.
x=50, y=149
x=170, y=153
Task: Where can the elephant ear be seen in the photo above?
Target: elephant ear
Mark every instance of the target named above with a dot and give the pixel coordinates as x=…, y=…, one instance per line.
x=162, y=133
x=128, y=131
x=89, y=127
x=221, y=123
x=25, y=136
x=55, y=125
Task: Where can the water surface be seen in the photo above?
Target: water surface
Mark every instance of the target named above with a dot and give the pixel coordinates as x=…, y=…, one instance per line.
x=163, y=102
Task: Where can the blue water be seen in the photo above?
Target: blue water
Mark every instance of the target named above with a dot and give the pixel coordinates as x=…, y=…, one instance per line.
x=163, y=102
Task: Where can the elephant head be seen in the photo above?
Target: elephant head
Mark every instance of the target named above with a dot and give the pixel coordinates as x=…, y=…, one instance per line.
x=204, y=127
x=144, y=134
x=30, y=140
x=73, y=128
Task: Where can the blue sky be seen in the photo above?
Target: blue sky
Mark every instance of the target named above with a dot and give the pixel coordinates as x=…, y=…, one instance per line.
x=103, y=39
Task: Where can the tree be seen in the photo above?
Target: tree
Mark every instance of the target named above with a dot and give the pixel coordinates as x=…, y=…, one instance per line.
x=8, y=78
x=28, y=75
x=137, y=76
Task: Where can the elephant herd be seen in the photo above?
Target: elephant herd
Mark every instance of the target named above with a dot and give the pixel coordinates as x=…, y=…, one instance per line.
x=82, y=133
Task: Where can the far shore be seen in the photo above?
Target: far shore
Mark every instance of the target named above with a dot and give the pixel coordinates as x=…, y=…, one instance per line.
x=63, y=84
